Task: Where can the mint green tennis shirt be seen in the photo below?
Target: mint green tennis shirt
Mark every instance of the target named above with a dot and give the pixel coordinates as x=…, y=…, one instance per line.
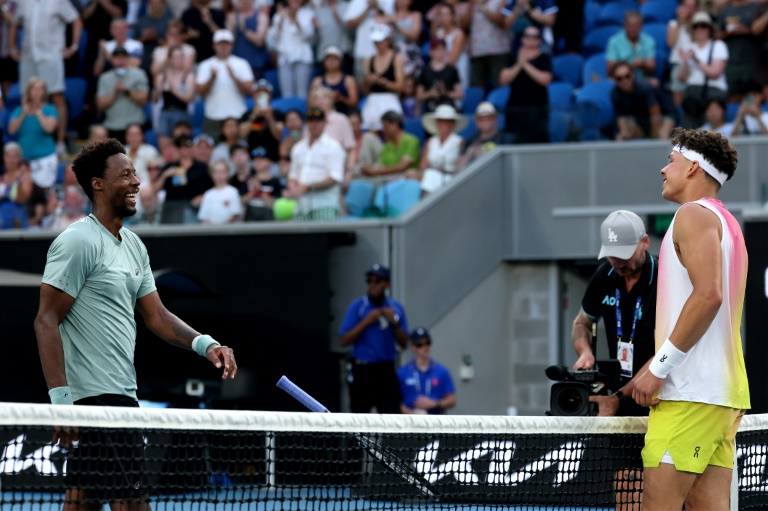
x=105, y=277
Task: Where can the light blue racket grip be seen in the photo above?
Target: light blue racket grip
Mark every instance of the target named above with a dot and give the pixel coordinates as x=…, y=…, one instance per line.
x=301, y=396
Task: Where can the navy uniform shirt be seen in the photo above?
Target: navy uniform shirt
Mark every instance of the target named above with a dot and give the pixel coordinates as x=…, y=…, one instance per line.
x=600, y=302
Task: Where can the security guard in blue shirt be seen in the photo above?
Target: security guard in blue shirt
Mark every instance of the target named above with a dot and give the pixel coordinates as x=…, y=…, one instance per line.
x=374, y=325
x=426, y=385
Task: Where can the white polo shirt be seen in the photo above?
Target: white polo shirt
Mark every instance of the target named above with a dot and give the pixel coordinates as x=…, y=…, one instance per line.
x=313, y=164
x=224, y=99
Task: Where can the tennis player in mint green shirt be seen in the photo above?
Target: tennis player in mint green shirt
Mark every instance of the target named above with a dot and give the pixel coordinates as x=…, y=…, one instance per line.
x=97, y=272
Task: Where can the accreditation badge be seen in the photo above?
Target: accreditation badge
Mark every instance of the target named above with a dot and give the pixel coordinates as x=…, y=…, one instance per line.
x=625, y=354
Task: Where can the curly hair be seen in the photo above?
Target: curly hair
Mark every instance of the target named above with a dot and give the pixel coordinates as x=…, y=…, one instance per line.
x=92, y=162
x=715, y=147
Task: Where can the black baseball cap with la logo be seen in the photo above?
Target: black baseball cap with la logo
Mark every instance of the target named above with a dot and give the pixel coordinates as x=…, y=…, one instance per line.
x=620, y=233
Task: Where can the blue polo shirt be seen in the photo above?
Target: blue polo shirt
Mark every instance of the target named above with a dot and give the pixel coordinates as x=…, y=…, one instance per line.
x=375, y=344
x=435, y=383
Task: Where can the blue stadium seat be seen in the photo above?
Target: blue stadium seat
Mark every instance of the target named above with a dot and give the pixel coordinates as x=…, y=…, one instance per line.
x=659, y=33
x=60, y=172
x=271, y=77
x=559, y=125
x=595, y=69
x=359, y=197
x=470, y=130
x=285, y=104
x=591, y=10
x=560, y=94
x=472, y=97
x=198, y=115
x=613, y=13
x=731, y=110
x=594, y=110
x=498, y=97
x=74, y=94
x=13, y=97
x=150, y=137
x=397, y=197
x=596, y=40
x=414, y=127
x=567, y=68
x=658, y=11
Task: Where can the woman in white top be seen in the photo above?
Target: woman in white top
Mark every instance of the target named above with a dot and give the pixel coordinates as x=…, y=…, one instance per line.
x=139, y=152
x=291, y=35
x=455, y=40
x=702, y=64
x=173, y=37
x=442, y=150
x=679, y=38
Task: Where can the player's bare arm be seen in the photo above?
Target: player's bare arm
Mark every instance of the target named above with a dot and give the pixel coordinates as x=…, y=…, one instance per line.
x=54, y=306
x=173, y=330
x=697, y=236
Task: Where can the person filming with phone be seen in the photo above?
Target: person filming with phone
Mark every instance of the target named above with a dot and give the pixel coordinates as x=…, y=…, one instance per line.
x=261, y=127
x=623, y=292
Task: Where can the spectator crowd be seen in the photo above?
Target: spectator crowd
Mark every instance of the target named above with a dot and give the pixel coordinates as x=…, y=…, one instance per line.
x=252, y=110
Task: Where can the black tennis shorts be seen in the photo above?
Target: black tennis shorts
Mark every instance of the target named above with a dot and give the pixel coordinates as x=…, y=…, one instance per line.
x=108, y=464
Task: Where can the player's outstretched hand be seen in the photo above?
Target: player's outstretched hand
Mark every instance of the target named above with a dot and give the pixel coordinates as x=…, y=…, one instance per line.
x=66, y=437
x=223, y=356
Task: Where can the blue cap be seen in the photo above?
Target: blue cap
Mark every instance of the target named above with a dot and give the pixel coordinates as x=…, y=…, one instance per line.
x=420, y=333
x=380, y=271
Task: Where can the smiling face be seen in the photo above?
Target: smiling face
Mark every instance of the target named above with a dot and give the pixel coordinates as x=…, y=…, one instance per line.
x=674, y=175
x=119, y=185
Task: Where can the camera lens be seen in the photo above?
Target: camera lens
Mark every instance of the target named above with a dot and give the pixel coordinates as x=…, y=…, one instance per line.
x=571, y=401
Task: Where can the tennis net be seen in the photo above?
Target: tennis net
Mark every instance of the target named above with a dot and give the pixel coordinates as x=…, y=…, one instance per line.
x=209, y=459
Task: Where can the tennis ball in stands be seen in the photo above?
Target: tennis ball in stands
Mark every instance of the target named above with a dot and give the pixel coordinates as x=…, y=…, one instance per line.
x=284, y=208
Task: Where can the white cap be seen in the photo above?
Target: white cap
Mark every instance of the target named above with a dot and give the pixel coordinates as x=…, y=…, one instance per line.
x=223, y=35
x=380, y=32
x=333, y=50
x=485, y=108
x=620, y=233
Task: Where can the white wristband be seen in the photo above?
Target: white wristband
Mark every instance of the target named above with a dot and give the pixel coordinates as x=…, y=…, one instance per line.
x=666, y=359
x=201, y=343
x=61, y=396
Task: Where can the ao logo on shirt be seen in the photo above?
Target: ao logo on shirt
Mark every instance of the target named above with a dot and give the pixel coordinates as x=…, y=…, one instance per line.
x=611, y=301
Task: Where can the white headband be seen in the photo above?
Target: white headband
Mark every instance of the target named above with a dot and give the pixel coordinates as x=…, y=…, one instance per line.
x=707, y=167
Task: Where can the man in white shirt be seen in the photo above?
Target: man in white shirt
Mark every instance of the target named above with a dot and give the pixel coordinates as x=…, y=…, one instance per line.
x=223, y=80
x=317, y=169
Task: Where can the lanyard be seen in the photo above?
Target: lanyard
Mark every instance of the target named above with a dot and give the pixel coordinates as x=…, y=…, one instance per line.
x=619, y=332
x=428, y=385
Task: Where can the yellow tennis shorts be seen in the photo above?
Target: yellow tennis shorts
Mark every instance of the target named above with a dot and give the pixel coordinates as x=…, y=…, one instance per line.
x=695, y=434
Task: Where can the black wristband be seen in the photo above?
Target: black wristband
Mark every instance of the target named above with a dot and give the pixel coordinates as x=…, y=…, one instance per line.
x=620, y=395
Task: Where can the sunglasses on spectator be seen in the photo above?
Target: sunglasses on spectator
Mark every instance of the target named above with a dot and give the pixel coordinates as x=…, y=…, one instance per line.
x=259, y=153
x=421, y=344
x=373, y=280
x=620, y=78
x=700, y=25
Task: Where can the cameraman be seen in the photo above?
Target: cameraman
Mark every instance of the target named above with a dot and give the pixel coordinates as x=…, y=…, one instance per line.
x=623, y=292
